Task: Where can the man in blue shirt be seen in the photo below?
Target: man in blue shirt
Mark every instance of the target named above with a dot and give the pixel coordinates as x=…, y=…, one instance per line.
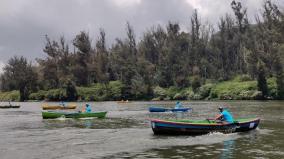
x=88, y=108
x=225, y=116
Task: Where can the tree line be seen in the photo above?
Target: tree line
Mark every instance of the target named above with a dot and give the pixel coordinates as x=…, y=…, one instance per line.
x=164, y=57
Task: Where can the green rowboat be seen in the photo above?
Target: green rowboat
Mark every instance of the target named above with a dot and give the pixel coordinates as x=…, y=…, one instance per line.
x=54, y=114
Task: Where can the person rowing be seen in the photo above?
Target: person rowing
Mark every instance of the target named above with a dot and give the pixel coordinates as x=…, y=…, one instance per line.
x=224, y=116
x=87, y=108
x=179, y=114
x=63, y=104
x=178, y=105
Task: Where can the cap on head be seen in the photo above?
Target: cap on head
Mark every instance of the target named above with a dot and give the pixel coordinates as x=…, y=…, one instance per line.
x=221, y=108
x=87, y=104
x=178, y=102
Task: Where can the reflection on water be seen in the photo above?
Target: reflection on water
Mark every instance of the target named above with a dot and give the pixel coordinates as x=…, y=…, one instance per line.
x=171, y=115
x=93, y=123
x=228, y=149
x=88, y=123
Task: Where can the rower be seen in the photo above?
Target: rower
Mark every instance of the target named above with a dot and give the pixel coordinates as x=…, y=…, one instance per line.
x=225, y=116
x=88, y=108
x=178, y=105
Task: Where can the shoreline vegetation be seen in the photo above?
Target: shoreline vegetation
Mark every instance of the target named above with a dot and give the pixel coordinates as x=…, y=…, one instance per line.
x=240, y=88
x=240, y=58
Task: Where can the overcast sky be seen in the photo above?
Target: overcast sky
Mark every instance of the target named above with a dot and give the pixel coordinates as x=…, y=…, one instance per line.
x=23, y=23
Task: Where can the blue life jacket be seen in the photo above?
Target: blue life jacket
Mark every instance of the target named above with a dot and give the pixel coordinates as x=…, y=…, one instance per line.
x=178, y=106
x=227, y=116
x=88, y=109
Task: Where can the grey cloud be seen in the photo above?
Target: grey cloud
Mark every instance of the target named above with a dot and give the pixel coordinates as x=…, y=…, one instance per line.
x=23, y=23
x=22, y=28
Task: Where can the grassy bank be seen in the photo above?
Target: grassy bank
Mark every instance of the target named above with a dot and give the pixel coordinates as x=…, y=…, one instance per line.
x=236, y=89
x=10, y=96
x=96, y=92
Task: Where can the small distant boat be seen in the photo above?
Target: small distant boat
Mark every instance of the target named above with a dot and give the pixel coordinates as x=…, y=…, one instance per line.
x=199, y=127
x=123, y=101
x=54, y=107
x=53, y=115
x=9, y=106
x=160, y=109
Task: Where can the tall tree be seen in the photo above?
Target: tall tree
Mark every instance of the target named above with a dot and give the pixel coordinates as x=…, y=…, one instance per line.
x=102, y=59
x=82, y=42
x=20, y=74
x=195, y=41
x=278, y=66
x=124, y=60
x=242, y=24
x=261, y=80
x=55, y=69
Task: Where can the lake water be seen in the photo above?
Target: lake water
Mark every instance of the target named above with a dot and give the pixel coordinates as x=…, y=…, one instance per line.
x=126, y=133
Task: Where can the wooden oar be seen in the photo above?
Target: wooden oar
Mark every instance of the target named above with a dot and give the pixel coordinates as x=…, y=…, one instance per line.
x=209, y=119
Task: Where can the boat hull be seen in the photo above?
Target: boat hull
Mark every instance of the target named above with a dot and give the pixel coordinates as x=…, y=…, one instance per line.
x=9, y=106
x=159, y=109
x=53, y=115
x=181, y=127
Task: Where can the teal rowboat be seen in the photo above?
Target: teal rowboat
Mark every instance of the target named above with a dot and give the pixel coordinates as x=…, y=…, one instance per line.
x=199, y=127
x=54, y=114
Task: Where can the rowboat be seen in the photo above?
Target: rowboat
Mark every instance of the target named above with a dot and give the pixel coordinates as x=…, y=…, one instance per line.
x=159, y=109
x=53, y=107
x=53, y=114
x=9, y=106
x=199, y=127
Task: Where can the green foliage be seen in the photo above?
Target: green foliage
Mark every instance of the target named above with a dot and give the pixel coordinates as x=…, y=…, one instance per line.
x=50, y=95
x=101, y=92
x=272, y=87
x=115, y=90
x=189, y=93
x=160, y=93
x=19, y=74
x=55, y=94
x=71, y=92
x=195, y=84
x=172, y=93
x=138, y=87
x=234, y=90
x=10, y=96
x=167, y=63
x=96, y=92
x=180, y=96
x=68, y=93
x=280, y=84
x=250, y=94
x=204, y=91
x=242, y=78
x=40, y=95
